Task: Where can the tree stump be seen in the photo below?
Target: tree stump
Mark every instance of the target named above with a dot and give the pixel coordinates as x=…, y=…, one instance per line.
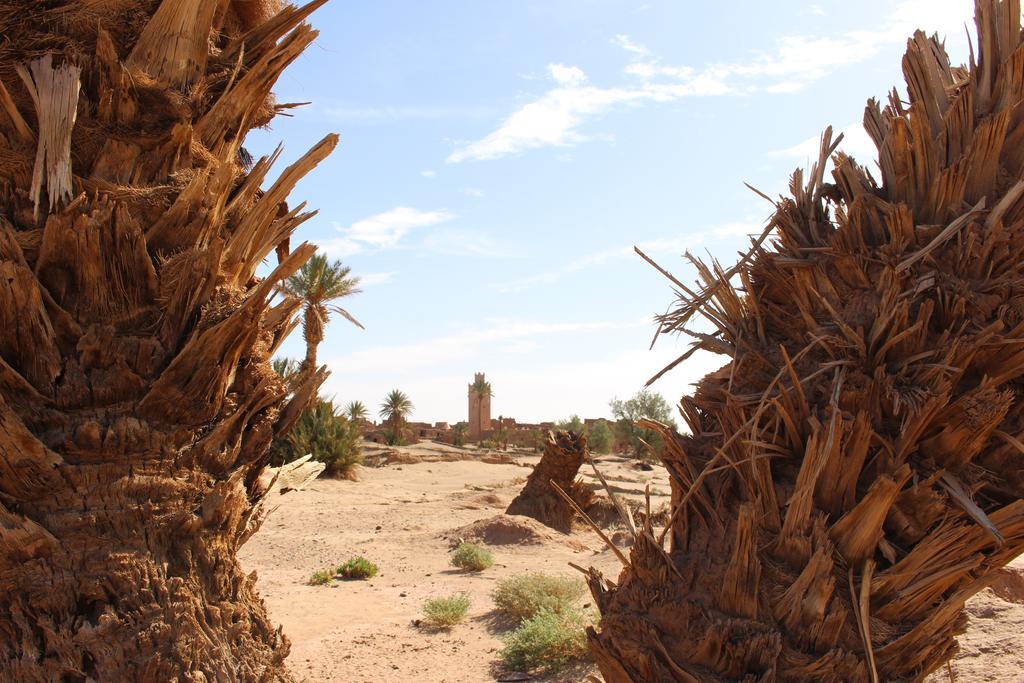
x=854, y=474
x=564, y=452
x=137, y=401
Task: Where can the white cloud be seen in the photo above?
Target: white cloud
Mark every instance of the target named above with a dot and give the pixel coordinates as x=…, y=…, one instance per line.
x=653, y=248
x=475, y=192
x=381, y=231
x=815, y=10
x=627, y=44
x=426, y=355
x=462, y=242
x=566, y=75
x=554, y=119
x=429, y=173
x=856, y=143
x=373, y=279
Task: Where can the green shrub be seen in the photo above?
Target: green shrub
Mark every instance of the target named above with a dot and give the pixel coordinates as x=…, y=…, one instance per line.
x=546, y=642
x=321, y=578
x=600, y=438
x=525, y=595
x=357, y=568
x=471, y=557
x=331, y=437
x=445, y=612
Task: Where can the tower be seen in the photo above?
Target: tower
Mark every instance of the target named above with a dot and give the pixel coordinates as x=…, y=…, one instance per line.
x=479, y=407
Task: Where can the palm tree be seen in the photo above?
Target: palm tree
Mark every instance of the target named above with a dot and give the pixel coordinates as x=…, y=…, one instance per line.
x=136, y=393
x=853, y=475
x=459, y=432
x=288, y=369
x=317, y=284
x=356, y=411
x=395, y=408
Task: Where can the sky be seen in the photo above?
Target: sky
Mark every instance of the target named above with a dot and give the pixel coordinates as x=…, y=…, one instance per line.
x=499, y=160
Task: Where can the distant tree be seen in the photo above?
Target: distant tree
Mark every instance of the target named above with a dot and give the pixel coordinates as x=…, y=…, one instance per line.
x=288, y=369
x=356, y=411
x=325, y=433
x=394, y=410
x=643, y=404
x=600, y=437
x=501, y=435
x=459, y=433
x=317, y=284
x=573, y=424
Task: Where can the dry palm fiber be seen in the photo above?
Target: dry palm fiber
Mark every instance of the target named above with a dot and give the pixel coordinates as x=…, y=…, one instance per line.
x=137, y=401
x=854, y=473
x=564, y=452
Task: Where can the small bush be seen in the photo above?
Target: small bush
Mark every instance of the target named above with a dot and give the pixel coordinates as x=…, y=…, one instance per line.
x=546, y=642
x=357, y=568
x=328, y=435
x=445, y=612
x=321, y=578
x=471, y=558
x=525, y=595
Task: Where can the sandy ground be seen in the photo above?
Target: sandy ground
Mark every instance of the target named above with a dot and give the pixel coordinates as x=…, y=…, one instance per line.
x=405, y=517
x=402, y=517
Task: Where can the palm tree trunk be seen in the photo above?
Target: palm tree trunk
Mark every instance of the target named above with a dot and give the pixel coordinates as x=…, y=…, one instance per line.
x=136, y=396
x=312, y=341
x=854, y=474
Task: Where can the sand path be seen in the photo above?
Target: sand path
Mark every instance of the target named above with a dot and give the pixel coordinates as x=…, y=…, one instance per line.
x=398, y=517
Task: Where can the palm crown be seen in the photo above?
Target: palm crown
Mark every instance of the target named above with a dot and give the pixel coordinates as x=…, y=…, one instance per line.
x=317, y=284
x=356, y=410
x=396, y=406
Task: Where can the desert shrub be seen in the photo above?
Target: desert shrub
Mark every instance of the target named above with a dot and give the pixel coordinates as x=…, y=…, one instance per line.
x=643, y=404
x=471, y=557
x=357, y=568
x=572, y=424
x=525, y=595
x=321, y=578
x=323, y=431
x=459, y=433
x=600, y=439
x=489, y=444
x=447, y=611
x=547, y=641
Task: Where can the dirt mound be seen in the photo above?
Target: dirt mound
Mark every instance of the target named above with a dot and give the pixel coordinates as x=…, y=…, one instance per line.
x=1009, y=584
x=511, y=530
x=484, y=500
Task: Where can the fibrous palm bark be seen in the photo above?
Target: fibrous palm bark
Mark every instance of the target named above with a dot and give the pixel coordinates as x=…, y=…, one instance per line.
x=137, y=402
x=854, y=474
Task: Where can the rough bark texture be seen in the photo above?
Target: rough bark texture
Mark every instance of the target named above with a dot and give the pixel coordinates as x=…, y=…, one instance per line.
x=854, y=474
x=137, y=403
x=564, y=452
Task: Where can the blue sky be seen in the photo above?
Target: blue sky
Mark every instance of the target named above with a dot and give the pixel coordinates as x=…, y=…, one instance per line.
x=498, y=161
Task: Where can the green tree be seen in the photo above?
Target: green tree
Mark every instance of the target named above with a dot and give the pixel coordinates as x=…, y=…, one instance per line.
x=327, y=434
x=600, y=437
x=459, y=433
x=643, y=404
x=356, y=411
x=288, y=369
x=394, y=410
x=573, y=424
x=317, y=284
